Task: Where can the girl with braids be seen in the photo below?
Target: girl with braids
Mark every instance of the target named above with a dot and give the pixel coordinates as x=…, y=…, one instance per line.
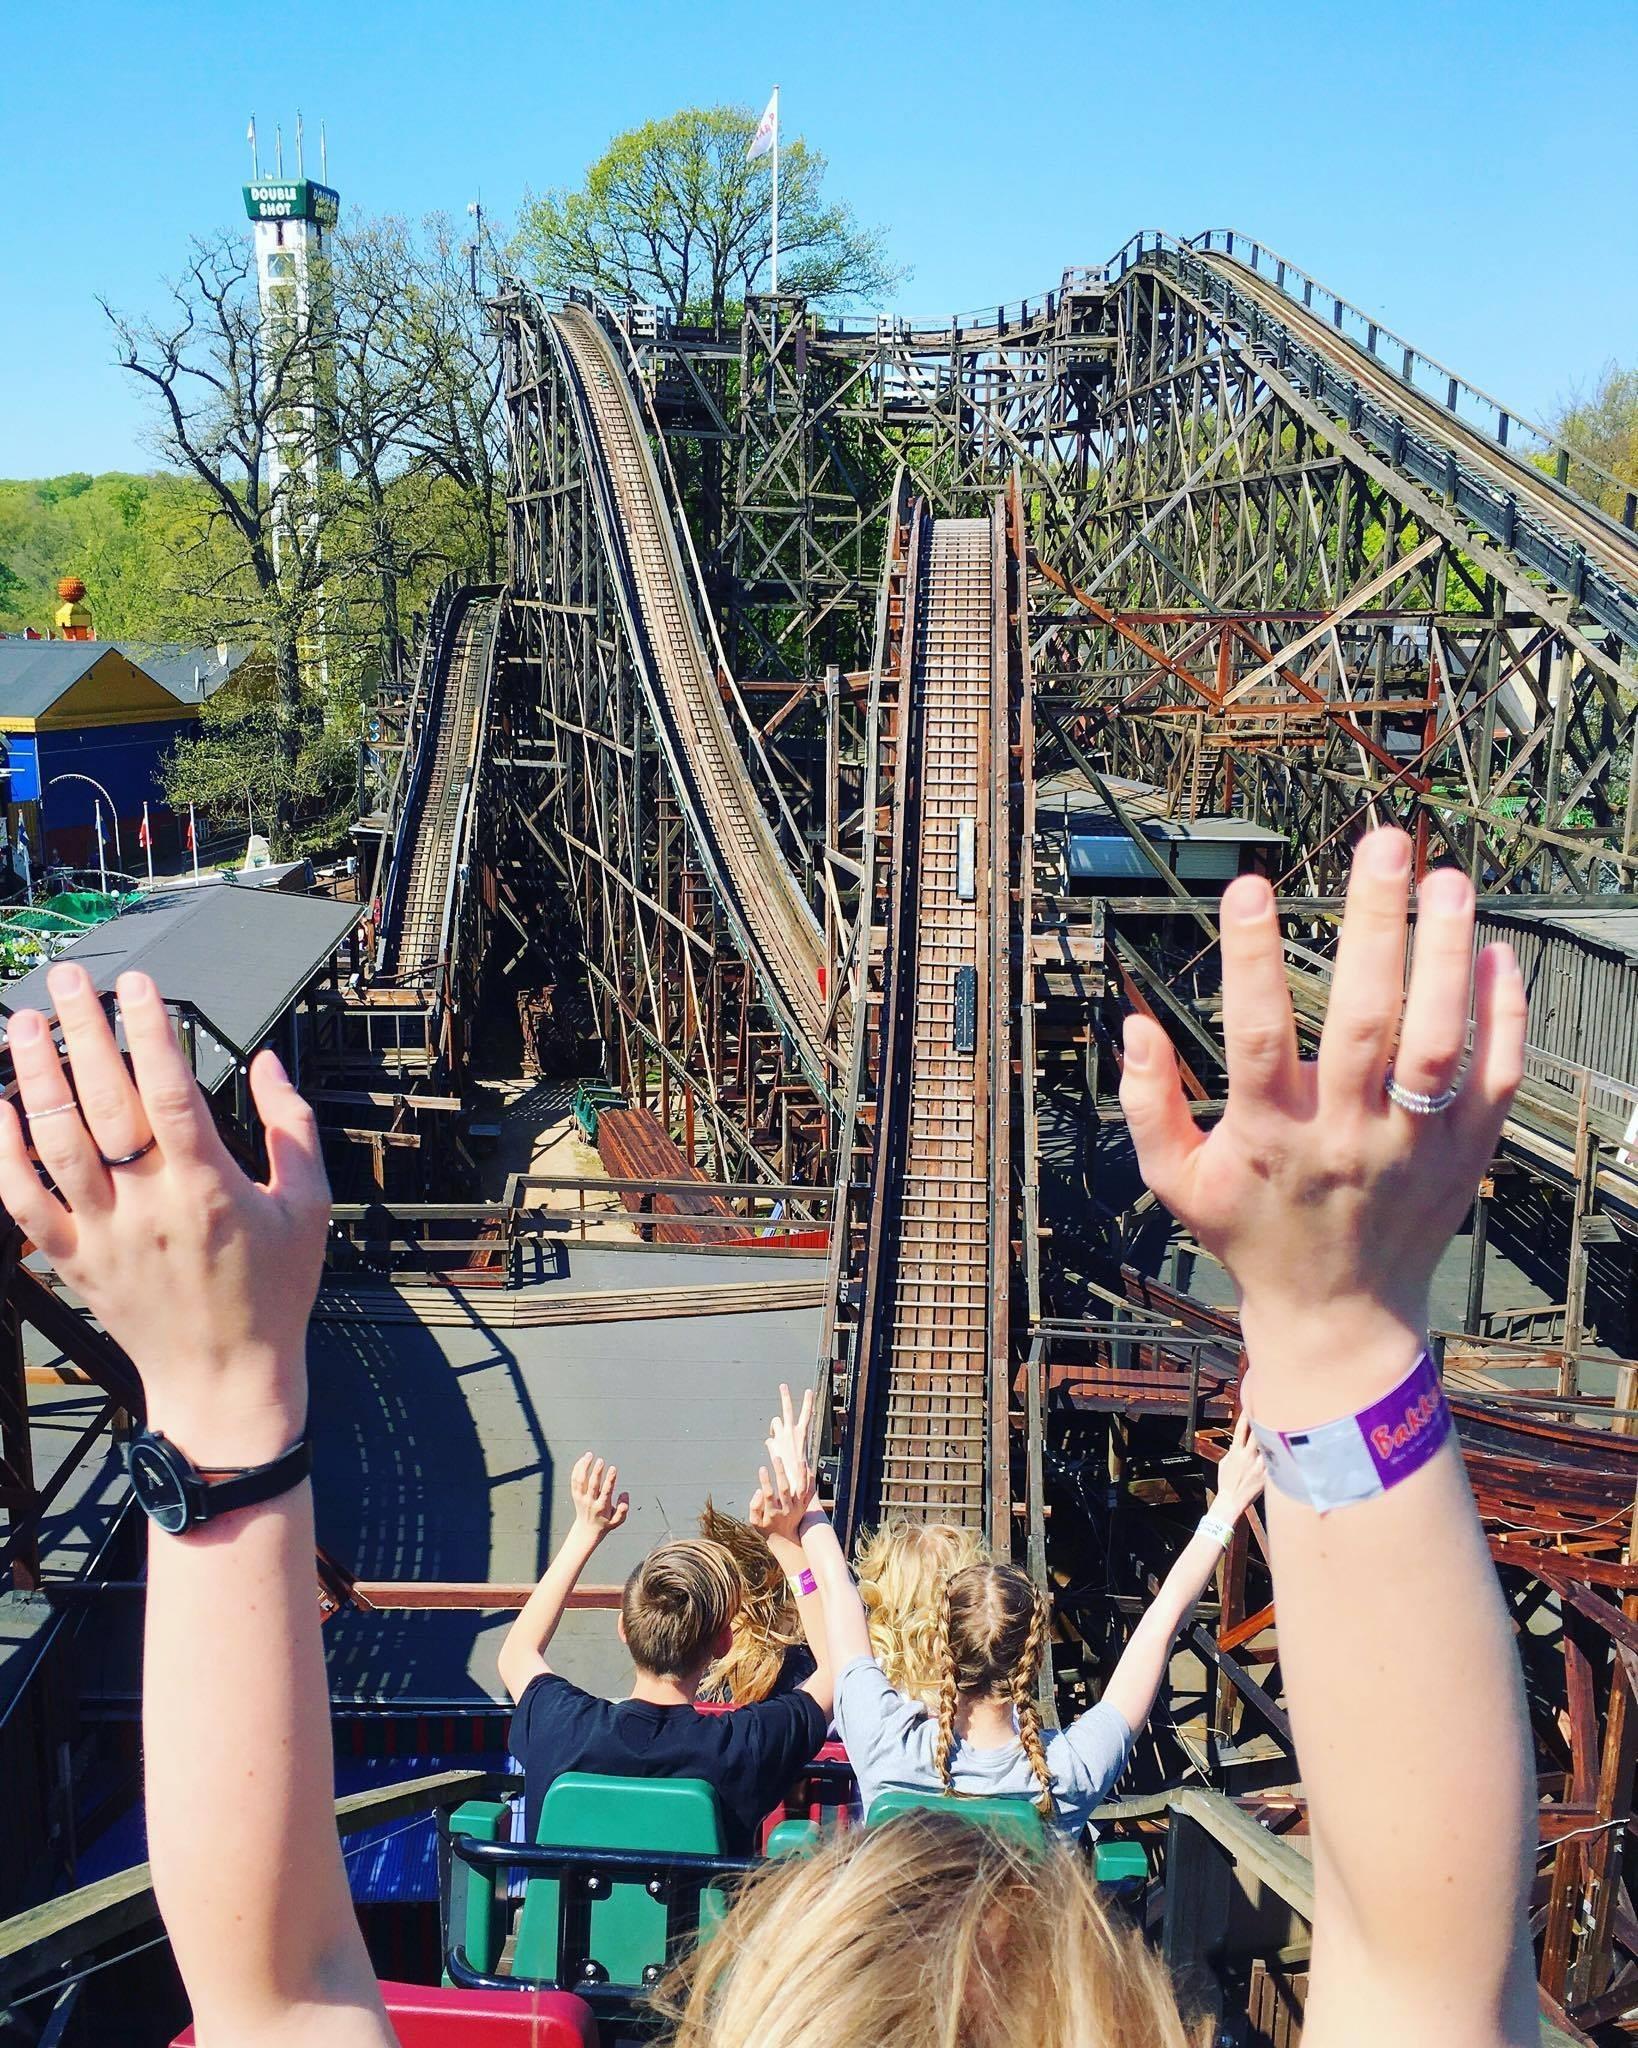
x=990, y=1638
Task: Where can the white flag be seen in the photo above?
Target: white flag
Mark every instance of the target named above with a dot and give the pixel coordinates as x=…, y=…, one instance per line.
x=767, y=130
x=250, y=132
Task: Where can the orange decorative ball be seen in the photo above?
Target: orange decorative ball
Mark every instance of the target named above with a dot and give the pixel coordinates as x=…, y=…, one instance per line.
x=70, y=589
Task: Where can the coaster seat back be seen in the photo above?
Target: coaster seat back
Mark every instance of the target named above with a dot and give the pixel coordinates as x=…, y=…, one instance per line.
x=617, y=1932
x=1015, y=1818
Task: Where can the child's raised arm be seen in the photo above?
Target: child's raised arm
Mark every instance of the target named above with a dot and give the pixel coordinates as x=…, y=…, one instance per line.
x=1330, y=1205
x=599, y=1508
x=207, y=1280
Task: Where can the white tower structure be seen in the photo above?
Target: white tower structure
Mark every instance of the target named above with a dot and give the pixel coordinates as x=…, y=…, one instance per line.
x=292, y=218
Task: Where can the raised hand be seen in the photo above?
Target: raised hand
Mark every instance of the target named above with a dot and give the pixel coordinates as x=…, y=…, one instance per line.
x=598, y=1507
x=205, y=1277
x=1329, y=1204
x=787, y=1483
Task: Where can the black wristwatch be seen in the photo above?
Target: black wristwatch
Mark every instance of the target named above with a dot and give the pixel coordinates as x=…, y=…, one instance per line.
x=172, y=1491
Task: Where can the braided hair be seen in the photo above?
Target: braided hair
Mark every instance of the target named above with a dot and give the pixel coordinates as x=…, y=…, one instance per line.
x=990, y=1640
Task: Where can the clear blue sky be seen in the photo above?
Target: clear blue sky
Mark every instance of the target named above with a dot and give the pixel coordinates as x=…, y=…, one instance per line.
x=1468, y=172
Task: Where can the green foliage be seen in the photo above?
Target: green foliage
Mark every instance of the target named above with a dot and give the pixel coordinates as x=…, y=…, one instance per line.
x=239, y=766
x=672, y=212
x=120, y=532
x=1604, y=428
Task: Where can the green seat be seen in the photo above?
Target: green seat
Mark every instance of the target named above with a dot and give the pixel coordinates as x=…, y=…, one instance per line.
x=476, y=1906
x=1120, y=1863
x=620, y=1937
x=1015, y=1817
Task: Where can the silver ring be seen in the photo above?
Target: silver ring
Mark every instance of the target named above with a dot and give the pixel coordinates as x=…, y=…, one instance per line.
x=1415, y=1102
x=36, y=1116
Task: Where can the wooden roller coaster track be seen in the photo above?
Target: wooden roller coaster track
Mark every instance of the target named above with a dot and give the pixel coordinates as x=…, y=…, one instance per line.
x=761, y=893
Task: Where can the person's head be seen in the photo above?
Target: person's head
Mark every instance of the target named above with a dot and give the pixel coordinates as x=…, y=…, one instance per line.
x=927, y=1931
x=901, y=1568
x=992, y=1635
x=677, y=1609
x=766, y=1626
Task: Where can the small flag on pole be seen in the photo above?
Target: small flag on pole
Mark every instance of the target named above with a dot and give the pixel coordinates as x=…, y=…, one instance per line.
x=765, y=139
x=145, y=839
x=193, y=843
x=767, y=130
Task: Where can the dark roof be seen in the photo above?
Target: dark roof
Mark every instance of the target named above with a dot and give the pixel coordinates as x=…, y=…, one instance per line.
x=174, y=666
x=242, y=956
x=35, y=673
x=1614, y=930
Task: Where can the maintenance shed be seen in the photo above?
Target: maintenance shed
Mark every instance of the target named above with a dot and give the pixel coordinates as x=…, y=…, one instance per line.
x=1580, y=970
x=1097, y=856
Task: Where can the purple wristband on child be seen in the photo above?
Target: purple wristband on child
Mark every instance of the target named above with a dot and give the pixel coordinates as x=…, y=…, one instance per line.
x=804, y=1585
x=1337, y=1464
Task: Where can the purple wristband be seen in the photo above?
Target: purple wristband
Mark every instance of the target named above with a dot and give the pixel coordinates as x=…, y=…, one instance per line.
x=1336, y=1464
x=804, y=1585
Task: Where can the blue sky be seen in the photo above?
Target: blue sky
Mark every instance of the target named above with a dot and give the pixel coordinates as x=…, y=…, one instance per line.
x=1466, y=172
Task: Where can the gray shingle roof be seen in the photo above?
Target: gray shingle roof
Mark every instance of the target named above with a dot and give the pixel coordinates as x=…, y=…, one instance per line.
x=35, y=673
x=240, y=955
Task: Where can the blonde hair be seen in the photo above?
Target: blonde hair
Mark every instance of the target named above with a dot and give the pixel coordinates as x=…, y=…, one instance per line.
x=901, y=1568
x=992, y=1636
x=682, y=1595
x=766, y=1626
x=928, y=1933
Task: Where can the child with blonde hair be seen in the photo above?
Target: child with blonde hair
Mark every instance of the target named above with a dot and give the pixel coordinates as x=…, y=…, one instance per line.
x=982, y=1733
x=901, y=1569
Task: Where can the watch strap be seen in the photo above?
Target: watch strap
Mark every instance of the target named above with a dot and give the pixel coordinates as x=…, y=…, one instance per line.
x=248, y=1486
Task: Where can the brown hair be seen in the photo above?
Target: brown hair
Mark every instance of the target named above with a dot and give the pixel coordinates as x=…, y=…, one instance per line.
x=682, y=1595
x=992, y=1635
x=766, y=1626
x=927, y=1932
x=901, y=1568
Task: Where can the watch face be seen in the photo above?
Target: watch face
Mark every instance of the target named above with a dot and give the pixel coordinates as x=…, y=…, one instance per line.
x=158, y=1486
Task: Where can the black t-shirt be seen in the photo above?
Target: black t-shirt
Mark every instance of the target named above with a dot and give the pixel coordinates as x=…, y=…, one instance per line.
x=748, y=1756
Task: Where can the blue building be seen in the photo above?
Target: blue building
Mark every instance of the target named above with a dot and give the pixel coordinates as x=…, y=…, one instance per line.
x=84, y=725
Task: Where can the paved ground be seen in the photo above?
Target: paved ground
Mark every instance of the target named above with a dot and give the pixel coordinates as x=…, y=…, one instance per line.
x=444, y=1453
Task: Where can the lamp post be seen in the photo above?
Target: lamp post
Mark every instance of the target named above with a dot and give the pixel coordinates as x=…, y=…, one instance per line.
x=74, y=776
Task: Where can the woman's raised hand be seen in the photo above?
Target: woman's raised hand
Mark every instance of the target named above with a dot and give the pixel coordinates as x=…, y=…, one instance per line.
x=205, y=1277
x=1329, y=1204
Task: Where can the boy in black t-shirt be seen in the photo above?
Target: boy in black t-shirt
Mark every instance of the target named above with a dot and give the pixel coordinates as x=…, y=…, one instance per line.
x=676, y=1616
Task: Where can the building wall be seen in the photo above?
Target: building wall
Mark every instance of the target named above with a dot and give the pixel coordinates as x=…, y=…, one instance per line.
x=61, y=820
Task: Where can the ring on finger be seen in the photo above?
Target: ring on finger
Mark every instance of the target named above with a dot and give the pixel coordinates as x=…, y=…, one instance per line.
x=37, y=1116
x=1415, y=1102
x=129, y=1158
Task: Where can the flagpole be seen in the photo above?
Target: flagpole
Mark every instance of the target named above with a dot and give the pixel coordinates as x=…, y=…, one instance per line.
x=193, y=842
x=776, y=193
x=148, y=841
x=102, y=855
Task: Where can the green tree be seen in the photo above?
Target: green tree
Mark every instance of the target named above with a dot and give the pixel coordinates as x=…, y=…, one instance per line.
x=1604, y=428
x=673, y=213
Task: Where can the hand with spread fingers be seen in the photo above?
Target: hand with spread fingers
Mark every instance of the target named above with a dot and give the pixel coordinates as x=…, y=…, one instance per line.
x=787, y=1482
x=599, y=1507
x=203, y=1276
x=1328, y=1197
